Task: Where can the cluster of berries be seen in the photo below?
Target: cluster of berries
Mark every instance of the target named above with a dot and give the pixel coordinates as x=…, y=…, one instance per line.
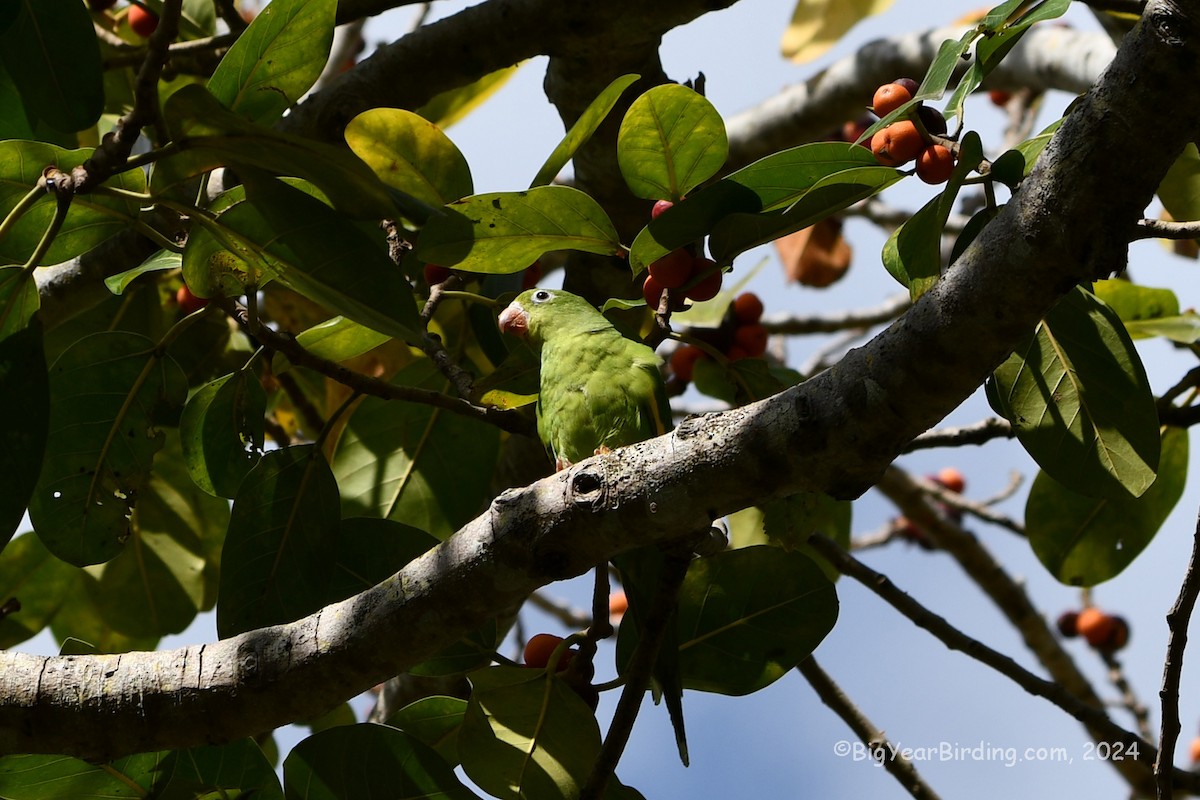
x=696, y=277
x=911, y=138
x=1105, y=632
x=740, y=335
x=948, y=478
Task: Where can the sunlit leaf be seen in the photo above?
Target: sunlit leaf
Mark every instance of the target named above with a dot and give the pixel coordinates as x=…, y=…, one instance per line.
x=527, y=734
x=276, y=59
x=505, y=232
x=453, y=105
x=671, y=140
x=435, y=721
x=583, y=129
x=411, y=154
x=160, y=261
x=38, y=580
x=817, y=25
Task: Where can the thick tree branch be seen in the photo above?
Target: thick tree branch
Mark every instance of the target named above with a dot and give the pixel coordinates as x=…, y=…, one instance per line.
x=835, y=433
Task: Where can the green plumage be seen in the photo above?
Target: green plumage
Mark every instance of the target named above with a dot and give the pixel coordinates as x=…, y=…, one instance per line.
x=598, y=389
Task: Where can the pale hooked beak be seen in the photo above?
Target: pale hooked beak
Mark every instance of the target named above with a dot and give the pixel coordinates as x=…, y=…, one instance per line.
x=514, y=320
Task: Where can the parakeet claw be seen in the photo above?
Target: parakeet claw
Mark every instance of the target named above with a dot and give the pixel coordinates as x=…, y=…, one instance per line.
x=602, y=450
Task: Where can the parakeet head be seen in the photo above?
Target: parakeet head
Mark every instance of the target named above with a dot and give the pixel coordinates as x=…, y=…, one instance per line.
x=538, y=313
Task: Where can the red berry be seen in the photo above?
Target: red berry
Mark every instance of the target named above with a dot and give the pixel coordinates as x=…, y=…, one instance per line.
x=531, y=275
x=143, y=21
x=752, y=339
x=710, y=283
x=909, y=84
x=747, y=308
x=1095, y=626
x=436, y=273
x=897, y=144
x=539, y=649
x=952, y=479
x=652, y=290
x=935, y=164
x=932, y=119
x=1068, y=624
x=889, y=97
x=1194, y=750
x=674, y=269
x=999, y=97
x=188, y=302
x=618, y=604
x=660, y=207
x=737, y=353
x=683, y=361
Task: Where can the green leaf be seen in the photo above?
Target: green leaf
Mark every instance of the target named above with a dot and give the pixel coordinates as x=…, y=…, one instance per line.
x=913, y=253
x=582, y=130
x=527, y=734
x=748, y=616
x=435, y=721
x=161, y=261
x=414, y=463
x=505, y=232
x=213, y=136
x=474, y=651
x=81, y=630
x=368, y=760
x=737, y=233
x=282, y=541
x=671, y=141
x=1031, y=149
x=1133, y=303
x=1078, y=398
x=451, y=106
x=370, y=550
x=222, y=430
x=166, y=572
x=39, y=777
x=337, y=339
x=51, y=52
x=91, y=219
x=1086, y=540
x=38, y=580
x=789, y=522
x=24, y=397
x=216, y=771
x=110, y=393
x=275, y=60
x=1179, y=190
x=411, y=154
x=769, y=184
x=324, y=256
x=1184, y=328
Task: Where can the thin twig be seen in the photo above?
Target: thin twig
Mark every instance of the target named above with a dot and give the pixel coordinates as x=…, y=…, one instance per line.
x=848, y=320
x=1091, y=716
x=574, y=618
x=1161, y=229
x=876, y=741
x=976, y=433
x=1177, y=623
x=510, y=421
x=980, y=510
x=1129, y=699
x=432, y=344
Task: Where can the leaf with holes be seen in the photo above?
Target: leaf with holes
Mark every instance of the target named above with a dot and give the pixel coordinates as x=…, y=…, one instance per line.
x=222, y=430
x=110, y=393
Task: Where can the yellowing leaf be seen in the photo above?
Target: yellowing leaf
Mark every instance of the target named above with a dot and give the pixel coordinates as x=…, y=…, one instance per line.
x=818, y=24
x=451, y=106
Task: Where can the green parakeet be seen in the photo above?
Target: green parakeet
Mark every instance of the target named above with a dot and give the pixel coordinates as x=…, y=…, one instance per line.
x=599, y=391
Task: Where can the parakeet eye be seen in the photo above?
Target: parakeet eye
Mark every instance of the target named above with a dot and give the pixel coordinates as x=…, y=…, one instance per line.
x=541, y=296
